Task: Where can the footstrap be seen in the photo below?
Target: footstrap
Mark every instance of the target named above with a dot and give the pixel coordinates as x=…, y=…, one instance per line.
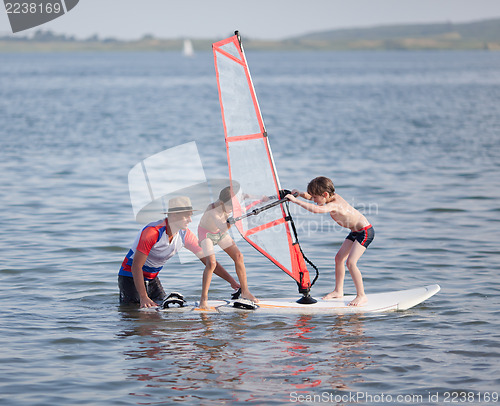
x=236, y=294
x=244, y=304
x=175, y=298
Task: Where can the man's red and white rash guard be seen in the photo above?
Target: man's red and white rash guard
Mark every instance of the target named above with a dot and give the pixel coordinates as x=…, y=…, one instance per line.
x=153, y=241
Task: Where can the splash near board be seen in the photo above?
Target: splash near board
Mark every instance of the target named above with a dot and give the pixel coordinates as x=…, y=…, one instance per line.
x=252, y=168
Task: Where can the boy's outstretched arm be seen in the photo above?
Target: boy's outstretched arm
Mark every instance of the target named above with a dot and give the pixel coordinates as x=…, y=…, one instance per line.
x=304, y=195
x=313, y=208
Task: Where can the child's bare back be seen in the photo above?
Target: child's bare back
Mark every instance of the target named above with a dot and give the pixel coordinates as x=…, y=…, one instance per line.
x=215, y=217
x=345, y=215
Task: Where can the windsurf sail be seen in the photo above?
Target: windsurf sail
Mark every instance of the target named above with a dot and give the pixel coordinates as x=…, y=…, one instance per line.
x=252, y=171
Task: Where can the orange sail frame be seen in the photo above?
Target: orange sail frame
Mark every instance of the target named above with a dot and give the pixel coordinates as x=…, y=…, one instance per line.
x=252, y=171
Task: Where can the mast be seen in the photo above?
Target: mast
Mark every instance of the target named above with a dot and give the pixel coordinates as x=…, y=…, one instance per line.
x=252, y=167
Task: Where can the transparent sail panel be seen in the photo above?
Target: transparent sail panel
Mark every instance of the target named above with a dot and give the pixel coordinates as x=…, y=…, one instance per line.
x=263, y=220
x=249, y=166
x=237, y=103
x=231, y=48
x=269, y=232
x=274, y=241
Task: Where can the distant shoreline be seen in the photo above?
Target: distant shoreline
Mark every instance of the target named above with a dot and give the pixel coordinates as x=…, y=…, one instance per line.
x=276, y=46
x=480, y=35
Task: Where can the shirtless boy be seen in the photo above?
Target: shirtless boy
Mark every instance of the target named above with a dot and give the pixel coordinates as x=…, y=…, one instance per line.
x=213, y=230
x=322, y=192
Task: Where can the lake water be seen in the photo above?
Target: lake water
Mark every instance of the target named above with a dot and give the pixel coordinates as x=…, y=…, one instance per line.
x=411, y=138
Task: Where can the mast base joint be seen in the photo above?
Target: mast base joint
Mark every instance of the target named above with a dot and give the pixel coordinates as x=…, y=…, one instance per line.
x=306, y=300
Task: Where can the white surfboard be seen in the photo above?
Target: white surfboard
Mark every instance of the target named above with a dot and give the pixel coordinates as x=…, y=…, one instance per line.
x=377, y=302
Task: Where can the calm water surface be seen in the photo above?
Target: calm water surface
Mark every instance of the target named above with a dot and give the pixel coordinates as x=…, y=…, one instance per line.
x=412, y=139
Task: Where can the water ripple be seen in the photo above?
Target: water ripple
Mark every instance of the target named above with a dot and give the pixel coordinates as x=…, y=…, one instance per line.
x=424, y=170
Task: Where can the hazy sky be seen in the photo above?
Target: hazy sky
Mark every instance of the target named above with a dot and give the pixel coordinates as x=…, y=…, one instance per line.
x=270, y=19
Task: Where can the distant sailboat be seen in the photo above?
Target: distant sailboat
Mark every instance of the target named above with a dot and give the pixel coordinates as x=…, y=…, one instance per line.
x=188, y=48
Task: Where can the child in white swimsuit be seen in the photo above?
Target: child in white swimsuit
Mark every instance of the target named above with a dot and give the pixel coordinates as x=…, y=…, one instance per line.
x=213, y=230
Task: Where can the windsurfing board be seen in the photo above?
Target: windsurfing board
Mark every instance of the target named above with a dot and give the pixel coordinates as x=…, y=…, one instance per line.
x=377, y=303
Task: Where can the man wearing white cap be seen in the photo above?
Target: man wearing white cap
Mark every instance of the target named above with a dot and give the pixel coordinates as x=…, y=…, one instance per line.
x=153, y=247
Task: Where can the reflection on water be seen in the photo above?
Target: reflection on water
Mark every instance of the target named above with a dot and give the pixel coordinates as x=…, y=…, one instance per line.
x=195, y=356
x=334, y=368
